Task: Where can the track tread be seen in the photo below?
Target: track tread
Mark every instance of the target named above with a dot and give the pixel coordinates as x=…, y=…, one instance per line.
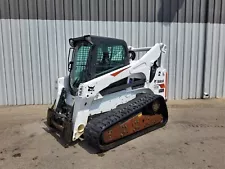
x=96, y=126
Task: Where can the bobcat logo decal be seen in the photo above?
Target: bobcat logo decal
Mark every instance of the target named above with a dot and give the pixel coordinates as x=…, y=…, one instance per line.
x=91, y=88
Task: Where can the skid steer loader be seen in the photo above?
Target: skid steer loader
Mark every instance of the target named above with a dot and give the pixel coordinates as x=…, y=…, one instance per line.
x=109, y=97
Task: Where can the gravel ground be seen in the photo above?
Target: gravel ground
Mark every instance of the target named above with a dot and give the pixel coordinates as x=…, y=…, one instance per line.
x=194, y=138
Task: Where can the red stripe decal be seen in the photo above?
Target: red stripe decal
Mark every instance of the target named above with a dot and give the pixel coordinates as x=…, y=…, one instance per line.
x=166, y=85
x=118, y=72
x=162, y=85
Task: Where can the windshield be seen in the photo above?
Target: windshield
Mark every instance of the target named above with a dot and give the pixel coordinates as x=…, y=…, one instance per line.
x=109, y=58
x=79, y=59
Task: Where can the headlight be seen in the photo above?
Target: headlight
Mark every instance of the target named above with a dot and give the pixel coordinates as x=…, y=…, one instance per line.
x=72, y=42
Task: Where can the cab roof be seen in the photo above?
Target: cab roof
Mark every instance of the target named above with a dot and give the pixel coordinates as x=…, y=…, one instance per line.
x=93, y=39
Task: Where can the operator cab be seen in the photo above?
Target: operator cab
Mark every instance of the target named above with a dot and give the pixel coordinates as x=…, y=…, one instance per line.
x=94, y=56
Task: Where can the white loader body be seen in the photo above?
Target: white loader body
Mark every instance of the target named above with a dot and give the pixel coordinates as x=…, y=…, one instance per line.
x=89, y=100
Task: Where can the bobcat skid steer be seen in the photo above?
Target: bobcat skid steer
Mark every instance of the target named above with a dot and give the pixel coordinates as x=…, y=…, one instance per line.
x=109, y=96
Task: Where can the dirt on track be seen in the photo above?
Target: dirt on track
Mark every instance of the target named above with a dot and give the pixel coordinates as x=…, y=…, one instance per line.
x=194, y=138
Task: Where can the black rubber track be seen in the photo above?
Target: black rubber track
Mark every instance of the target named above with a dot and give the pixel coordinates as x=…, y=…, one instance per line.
x=95, y=127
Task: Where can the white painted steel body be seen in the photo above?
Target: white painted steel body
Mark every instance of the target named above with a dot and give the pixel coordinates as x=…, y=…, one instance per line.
x=88, y=103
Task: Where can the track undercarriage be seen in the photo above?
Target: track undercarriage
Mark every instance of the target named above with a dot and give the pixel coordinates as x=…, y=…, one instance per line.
x=141, y=115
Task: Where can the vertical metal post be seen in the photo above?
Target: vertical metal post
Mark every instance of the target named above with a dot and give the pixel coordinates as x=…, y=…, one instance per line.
x=205, y=49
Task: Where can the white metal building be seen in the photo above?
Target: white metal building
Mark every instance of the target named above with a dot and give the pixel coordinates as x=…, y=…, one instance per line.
x=34, y=42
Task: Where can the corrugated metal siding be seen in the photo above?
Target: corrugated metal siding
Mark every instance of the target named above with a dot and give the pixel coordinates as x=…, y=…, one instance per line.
x=215, y=51
x=34, y=42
